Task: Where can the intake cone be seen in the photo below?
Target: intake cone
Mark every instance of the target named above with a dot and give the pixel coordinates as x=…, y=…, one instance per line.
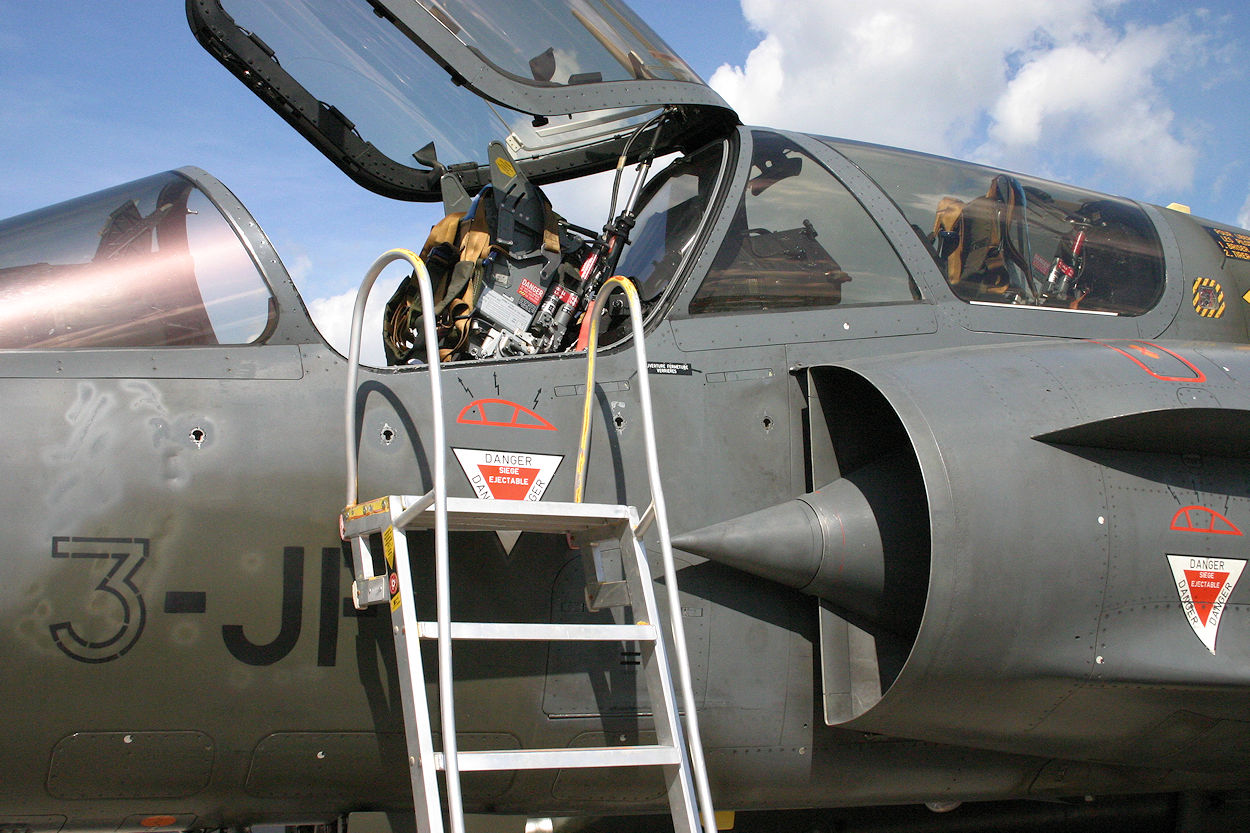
x=829, y=544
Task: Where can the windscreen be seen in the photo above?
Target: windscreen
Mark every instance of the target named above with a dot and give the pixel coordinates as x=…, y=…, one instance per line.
x=149, y=264
x=671, y=208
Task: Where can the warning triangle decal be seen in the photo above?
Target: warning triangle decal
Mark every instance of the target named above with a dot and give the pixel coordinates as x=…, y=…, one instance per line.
x=507, y=475
x=1204, y=585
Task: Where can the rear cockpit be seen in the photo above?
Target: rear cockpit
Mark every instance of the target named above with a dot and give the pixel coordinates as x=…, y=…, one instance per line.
x=1003, y=238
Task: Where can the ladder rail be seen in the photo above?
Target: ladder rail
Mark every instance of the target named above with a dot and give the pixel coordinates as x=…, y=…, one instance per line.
x=656, y=512
x=418, y=733
x=442, y=570
x=691, y=764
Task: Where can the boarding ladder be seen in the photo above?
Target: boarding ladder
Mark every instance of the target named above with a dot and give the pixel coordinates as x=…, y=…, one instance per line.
x=597, y=528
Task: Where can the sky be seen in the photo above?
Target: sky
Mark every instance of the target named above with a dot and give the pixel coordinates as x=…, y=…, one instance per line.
x=1141, y=98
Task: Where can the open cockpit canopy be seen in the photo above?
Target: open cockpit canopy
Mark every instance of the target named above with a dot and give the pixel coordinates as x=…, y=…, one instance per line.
x=374, y=83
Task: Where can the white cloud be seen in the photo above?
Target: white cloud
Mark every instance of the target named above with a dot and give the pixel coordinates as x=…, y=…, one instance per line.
x=1243, y=216
x=1101, y=96
x=900, y=71
x=299, y=267
x=585, y=200
x=1032, y=80
x=333, y=317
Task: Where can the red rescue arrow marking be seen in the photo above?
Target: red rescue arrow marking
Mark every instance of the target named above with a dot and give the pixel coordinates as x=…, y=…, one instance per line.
x=1161, y=370
x=1202, y=519
x=500, y=413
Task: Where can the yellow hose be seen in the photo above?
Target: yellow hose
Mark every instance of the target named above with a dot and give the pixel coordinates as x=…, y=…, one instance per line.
x=583, y=445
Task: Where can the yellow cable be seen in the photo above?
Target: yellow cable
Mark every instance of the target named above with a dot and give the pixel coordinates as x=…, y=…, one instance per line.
x=579, y=482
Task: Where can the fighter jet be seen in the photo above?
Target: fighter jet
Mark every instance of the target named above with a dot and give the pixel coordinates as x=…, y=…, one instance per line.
x=955, y=462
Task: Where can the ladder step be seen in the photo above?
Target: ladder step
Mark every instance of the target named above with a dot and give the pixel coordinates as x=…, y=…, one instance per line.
x=535, y=516
x=604, y=594
x=536, y=632
x=588, y=757
x=474, y=515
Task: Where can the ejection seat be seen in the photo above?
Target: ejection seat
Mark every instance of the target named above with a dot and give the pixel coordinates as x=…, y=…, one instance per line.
x=974, y=240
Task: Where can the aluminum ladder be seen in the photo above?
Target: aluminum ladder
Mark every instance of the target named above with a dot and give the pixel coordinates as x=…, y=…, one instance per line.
x=595, y=527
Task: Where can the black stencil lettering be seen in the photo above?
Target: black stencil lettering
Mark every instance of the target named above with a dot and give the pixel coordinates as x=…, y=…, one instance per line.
x=249, y=652
x=186, y=601
x=128, y=554
x=328, y=630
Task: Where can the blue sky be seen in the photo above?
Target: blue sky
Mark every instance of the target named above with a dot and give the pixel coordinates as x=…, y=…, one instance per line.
x=1145, y=99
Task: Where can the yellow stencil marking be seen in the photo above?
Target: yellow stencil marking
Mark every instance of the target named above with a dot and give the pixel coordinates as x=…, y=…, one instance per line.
x=1208, y=298
x=388, y=548
x=505, y=167
x=373, y=507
